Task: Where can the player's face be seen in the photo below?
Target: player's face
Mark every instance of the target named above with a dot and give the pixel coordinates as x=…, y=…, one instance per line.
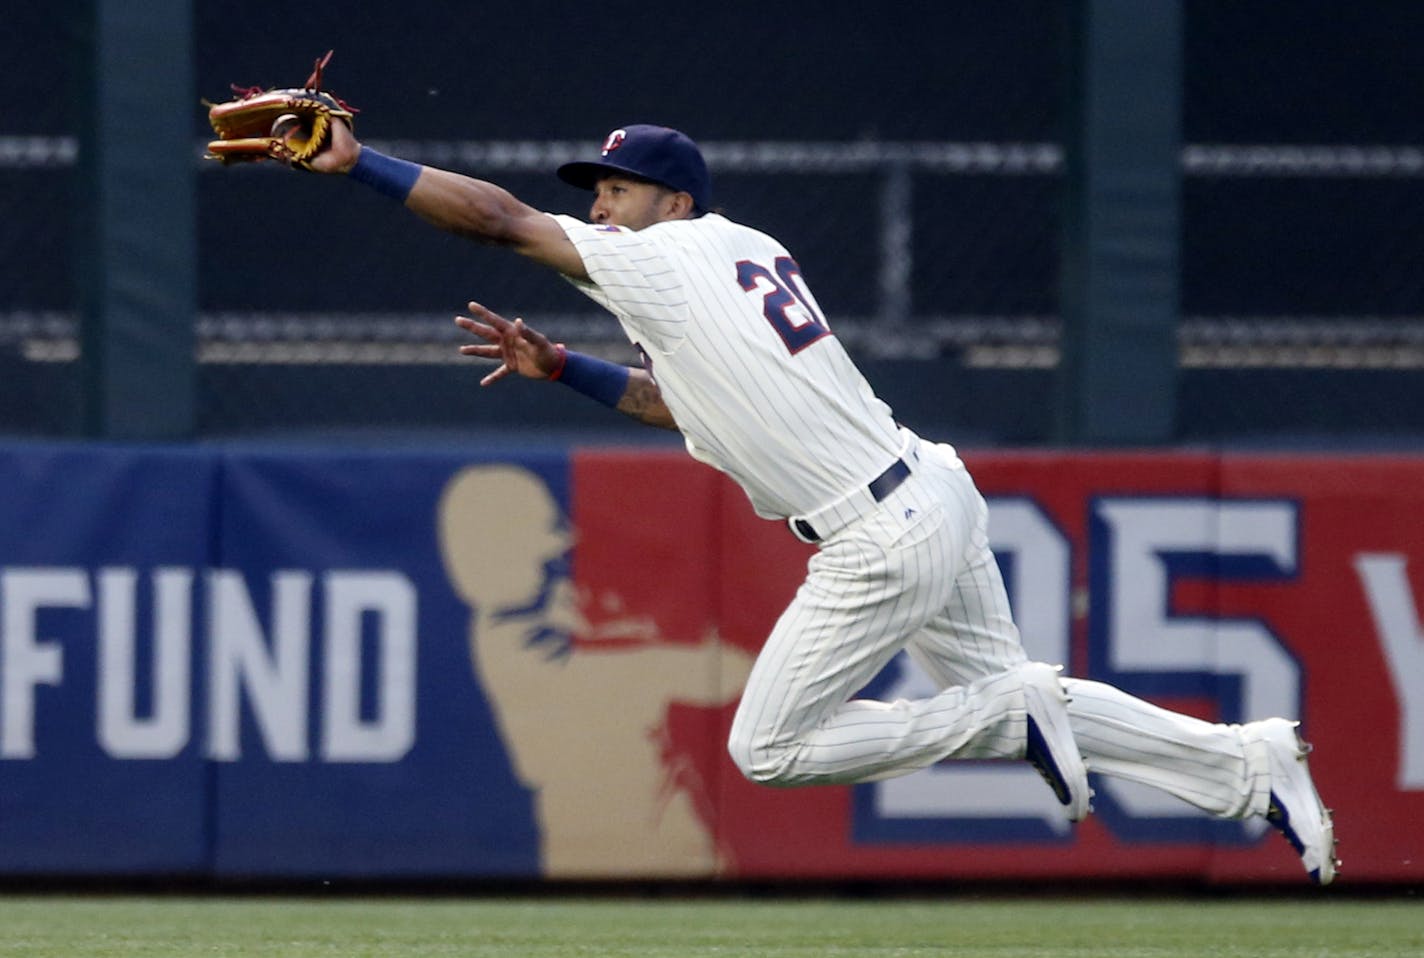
x=623, y=201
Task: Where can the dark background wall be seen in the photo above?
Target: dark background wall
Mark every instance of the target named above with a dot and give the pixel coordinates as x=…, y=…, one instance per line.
x=1300, y=294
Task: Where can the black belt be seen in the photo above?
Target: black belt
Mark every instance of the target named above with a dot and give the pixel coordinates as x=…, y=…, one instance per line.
x=879, y=487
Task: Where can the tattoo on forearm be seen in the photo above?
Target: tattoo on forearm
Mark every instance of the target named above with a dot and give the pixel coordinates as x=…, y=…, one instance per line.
x=643, y=401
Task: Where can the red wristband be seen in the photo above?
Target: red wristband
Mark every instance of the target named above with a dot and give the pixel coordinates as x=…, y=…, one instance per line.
x=563, y=361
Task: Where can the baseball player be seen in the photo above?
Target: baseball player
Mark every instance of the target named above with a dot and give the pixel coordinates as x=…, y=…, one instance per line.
x=739, y=357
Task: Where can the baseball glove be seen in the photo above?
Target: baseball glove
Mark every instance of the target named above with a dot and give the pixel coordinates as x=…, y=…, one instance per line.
x=292, y=125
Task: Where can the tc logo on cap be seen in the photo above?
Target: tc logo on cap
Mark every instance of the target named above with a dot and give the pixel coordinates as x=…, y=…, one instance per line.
x=614, y=141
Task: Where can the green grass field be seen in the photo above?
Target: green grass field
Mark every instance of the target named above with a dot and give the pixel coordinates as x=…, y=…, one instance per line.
x=100, y=926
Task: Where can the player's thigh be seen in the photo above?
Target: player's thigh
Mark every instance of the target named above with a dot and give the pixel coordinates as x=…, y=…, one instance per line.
x=974, y=635
x=865, y=594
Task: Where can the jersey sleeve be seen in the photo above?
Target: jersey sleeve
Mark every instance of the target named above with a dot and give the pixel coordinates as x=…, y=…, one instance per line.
x=631, y=277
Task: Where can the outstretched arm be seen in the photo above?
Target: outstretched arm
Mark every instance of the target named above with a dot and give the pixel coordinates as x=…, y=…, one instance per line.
x=474, y=209
x=529, y=353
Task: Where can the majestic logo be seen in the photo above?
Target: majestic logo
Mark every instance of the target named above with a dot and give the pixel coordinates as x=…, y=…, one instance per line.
x=614, y=141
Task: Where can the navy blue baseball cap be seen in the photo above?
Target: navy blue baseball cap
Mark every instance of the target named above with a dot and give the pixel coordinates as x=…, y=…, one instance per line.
x=655, y=153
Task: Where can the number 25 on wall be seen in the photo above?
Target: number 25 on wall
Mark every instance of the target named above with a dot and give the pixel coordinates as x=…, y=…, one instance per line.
x=1138, y=547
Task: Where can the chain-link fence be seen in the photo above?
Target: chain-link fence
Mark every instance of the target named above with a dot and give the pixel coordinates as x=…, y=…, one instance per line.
x=1303, y=301
x=911, y=162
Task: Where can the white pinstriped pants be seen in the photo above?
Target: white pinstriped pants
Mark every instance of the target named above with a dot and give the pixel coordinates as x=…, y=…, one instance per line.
x=916, y=573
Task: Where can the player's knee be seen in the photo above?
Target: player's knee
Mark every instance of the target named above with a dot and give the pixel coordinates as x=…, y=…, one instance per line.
x=759, y=760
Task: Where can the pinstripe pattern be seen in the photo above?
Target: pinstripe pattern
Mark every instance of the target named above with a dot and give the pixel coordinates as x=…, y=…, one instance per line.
x=862, y=602
x=913, y=573
x=802, y=433
x=795, y=431
x=1204, y=763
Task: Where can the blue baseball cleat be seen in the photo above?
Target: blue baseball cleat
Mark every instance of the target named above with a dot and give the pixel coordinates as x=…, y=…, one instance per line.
x=1296, y=809
x=1051, y=747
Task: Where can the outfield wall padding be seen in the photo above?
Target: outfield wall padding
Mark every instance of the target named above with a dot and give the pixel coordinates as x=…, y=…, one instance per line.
x=330, y=662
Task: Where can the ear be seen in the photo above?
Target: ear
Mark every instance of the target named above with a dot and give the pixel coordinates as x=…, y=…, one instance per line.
x=680, y=206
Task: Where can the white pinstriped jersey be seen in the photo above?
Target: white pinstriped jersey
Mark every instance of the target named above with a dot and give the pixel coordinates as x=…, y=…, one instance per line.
x=742, y=357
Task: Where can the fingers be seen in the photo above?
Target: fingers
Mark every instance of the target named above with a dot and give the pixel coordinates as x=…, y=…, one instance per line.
x=504, y=340
x=495, y=321
x=496, y=376
x=509, y=344
x=531, y=336
x=489, y=316
x=487, y=333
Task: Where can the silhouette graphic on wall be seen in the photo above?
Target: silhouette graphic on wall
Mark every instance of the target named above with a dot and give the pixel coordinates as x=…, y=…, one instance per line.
x=582, y=711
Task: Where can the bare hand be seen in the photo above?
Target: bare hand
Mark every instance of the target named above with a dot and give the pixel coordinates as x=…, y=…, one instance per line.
x=518, y=348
